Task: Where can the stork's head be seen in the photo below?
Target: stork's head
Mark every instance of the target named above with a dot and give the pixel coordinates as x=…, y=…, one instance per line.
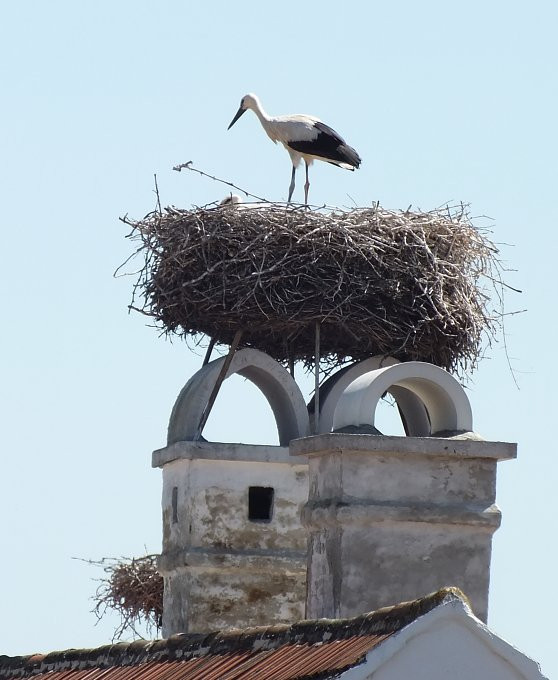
x=249, y=101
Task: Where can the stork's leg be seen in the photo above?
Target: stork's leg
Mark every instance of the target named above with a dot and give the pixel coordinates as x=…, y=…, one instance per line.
x=306, y=187
x=291, y=188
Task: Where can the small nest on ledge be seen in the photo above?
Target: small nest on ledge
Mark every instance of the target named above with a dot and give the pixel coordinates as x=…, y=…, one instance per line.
x=133, y=588
x=412, y=285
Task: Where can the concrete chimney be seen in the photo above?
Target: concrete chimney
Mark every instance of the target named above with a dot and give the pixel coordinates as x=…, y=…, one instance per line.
x=390, y=518
x=330, y=525
x=234, y=550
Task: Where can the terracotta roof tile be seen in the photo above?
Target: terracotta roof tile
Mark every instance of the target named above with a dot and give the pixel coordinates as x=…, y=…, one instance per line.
x=304, y=650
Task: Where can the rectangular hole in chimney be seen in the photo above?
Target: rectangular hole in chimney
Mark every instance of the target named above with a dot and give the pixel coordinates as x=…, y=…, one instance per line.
x=260, y=503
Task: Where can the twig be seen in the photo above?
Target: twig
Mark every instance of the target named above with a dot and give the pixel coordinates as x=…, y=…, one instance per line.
x=189, y=166
x=291, y=363
x=137, y=309
x=220, y=378
x=208, y=353
x=158, y=197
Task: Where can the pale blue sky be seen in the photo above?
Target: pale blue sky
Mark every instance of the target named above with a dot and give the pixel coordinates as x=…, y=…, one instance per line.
x=443, y=101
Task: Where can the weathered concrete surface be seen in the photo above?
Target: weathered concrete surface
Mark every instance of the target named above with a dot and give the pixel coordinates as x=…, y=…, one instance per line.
x=190, y=450
x=220, y=568
x=390, y=518
x=206, y=599
x=427, y=446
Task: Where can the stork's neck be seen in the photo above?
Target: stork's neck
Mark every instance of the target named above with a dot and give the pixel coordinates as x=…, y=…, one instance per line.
x=258, y=109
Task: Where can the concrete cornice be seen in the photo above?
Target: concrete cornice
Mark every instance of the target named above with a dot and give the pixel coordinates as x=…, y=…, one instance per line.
x=321, y=444
x=252, y=559
x=316, y=515
x=252, y=453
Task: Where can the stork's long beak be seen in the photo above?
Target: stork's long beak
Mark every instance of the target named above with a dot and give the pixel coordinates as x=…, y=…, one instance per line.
x=238, y=114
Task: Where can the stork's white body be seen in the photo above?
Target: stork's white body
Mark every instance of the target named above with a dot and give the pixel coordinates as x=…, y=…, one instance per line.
x=305, y=138
x=297, y=127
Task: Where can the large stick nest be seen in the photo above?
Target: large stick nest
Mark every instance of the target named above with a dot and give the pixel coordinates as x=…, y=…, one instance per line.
x=413, y=285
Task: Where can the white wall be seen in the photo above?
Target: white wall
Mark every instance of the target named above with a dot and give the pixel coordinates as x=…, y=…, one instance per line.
x=448, y=650
x=448, y=642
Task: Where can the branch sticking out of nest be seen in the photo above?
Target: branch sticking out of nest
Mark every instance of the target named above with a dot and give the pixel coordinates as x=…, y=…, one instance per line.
x=413, y=285
x=134, y=589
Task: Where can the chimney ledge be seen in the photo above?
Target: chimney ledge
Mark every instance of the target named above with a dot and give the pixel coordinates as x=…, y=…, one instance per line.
x=203, y=450
x=343, y=443
x=334, y=512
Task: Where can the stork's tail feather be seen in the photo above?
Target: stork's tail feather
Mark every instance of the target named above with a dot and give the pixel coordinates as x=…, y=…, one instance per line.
x=349, y=155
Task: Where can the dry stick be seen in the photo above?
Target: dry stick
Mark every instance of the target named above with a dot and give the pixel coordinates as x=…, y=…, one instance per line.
x=157, y=194
x=208, y=353
x=189, y=166
x=403, y=419
x=220, y=378
x=317, y=380
x=291, y=365
x=290, y=359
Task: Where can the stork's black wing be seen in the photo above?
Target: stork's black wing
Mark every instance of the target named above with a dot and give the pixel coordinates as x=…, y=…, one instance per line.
x=327, y=145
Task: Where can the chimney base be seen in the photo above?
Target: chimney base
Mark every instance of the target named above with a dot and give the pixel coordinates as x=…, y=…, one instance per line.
x=392, y=518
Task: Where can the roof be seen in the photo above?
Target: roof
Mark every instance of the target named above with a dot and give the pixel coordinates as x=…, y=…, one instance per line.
x=308, y=649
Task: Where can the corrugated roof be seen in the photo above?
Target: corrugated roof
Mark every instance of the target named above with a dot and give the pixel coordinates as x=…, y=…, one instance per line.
x=308, y=649
x=285, y=663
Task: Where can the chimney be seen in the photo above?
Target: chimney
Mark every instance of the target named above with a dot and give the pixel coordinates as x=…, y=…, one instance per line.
x=391, y=518
x=331, y=525
x=234, y=551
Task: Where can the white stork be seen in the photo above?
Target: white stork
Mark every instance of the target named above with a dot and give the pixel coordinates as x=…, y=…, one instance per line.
x=235, y=201
x=305, y=138
x=230, y=200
